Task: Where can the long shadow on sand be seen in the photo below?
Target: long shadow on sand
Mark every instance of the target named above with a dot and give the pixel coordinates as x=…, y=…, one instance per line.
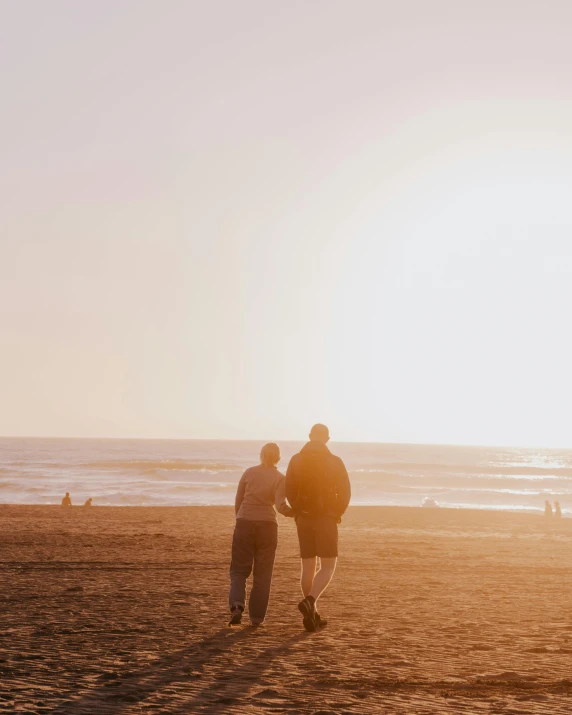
x=131, y=686
x=226, y=689
x=119, y=691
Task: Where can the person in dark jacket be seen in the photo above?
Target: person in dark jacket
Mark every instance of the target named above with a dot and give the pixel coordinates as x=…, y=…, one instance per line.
x=318, y=490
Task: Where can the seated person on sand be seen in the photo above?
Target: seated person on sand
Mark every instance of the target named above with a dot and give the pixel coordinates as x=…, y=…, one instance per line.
x=547, y=509
x=557, y=510
x=66, y=501
x=88, y=502
x=429, y=502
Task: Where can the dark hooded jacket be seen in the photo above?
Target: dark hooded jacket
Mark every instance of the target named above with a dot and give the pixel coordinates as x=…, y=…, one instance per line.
x=317, y=482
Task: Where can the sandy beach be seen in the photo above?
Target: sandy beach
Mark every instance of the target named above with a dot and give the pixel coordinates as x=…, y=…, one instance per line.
x=109, y=610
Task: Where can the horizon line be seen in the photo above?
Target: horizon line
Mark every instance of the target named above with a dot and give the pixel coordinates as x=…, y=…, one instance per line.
x=253, y=439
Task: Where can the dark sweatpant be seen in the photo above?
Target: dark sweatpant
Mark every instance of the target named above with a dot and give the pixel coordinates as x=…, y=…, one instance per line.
x=253, y=544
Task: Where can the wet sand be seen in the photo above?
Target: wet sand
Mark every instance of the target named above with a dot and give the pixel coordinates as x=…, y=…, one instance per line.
x=123, y=610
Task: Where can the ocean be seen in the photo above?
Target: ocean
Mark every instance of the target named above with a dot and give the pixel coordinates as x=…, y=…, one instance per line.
x=201, y=472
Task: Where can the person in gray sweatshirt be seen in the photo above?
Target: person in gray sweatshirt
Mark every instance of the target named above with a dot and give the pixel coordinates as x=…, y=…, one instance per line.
x=255, y=538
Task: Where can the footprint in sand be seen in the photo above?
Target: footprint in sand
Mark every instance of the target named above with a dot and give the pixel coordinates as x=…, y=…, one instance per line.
x=508, y=675
x=268, y=693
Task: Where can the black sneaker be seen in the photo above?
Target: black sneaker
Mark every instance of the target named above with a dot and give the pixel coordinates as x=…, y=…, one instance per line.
x=308, y=612
x=235, y=616
x=320, y=622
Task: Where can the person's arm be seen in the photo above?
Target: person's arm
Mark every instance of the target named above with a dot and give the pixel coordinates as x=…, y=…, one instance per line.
x=280, y=498
x=240, y=493
x=291, y=484
x=344, y=488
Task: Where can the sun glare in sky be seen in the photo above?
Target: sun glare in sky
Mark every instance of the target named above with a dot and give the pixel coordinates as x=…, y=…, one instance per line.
x=233, y=222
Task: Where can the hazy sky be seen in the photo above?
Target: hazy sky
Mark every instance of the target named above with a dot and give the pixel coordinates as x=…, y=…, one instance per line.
x=234, y=219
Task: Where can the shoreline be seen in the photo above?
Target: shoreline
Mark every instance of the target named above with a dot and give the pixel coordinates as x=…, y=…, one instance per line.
x=383, y=507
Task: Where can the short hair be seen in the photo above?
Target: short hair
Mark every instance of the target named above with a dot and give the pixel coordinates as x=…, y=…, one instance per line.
x=270, y=454
x=320, y=432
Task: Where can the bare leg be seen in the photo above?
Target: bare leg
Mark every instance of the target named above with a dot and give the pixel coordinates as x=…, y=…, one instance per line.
x=322, y=578
x=307, y=577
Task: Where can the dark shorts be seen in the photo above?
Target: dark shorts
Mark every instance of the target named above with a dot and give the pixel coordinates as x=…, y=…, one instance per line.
x=318, y=536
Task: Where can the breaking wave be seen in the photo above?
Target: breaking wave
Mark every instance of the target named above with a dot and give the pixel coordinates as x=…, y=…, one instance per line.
x=147, y=466
x=131, y=472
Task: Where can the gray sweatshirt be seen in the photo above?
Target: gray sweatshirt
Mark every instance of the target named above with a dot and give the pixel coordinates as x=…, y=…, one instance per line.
x=259, y=490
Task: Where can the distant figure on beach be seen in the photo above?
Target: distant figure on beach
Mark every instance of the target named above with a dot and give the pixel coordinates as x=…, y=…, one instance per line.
x=66, y=501
x=429, y=502
x=318, y=489
x=547, y=509
x=88, y=502
x=255, y=536
x=557, y=510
